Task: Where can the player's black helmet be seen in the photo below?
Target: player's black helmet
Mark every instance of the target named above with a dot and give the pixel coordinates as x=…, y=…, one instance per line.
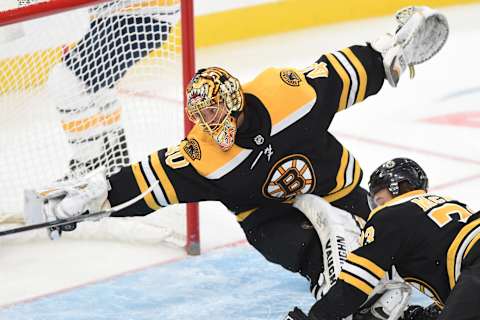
x=397, y=170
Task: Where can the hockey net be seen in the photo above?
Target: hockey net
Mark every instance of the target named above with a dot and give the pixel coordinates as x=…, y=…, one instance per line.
x=88, y=83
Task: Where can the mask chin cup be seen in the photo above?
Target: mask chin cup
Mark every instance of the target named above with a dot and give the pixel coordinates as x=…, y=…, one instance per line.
x=224, y=136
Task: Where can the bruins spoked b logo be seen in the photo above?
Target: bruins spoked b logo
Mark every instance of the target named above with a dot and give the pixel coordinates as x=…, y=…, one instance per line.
x=192, y=149
x=289, y=177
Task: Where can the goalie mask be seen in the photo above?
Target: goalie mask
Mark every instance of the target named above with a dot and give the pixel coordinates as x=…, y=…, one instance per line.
x=391, y=173
x=214, y=100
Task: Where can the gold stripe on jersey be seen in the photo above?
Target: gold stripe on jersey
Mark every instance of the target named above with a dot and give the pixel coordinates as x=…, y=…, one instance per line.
x=341, y=171
x=426, y=289
x=350, y=170
x=357, y=283
x=143, y=185
x=472, y=243
x=397, y=200
x=241, y=216
x=354, y=82
x=152, y=181
x=366, y=264
x=353, y=75
x=214, y=163
x=285, y=103
x=342, y=104
x=164, y=180
x=362, y=90
x=466, y=238
x=245, y=214
x=361, y=273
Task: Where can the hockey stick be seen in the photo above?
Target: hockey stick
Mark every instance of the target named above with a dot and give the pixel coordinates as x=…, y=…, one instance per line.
x=84, y=217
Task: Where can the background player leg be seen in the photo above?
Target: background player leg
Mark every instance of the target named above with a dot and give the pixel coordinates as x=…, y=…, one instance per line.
x=91, y=71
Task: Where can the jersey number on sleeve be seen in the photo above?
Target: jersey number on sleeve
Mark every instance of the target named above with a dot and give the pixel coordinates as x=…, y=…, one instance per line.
x=316, y=70
x=174, y=158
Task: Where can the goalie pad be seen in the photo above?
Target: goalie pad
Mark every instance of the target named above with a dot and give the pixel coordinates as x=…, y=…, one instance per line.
x=338, y=232
x=421, y=33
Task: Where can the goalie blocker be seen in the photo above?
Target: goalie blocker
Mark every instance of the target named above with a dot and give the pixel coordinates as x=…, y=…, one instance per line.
x=67, y=199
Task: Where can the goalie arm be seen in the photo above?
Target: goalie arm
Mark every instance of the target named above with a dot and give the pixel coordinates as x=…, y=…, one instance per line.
x=421, y=33
x=343, y=78
x=178, y=182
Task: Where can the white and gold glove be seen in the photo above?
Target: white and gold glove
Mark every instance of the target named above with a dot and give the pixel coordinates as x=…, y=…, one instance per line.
x=67, y=199
x=421, y=33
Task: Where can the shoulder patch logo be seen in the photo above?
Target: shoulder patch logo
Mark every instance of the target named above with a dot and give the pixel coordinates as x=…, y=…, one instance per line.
x=290, y=77
x=192, y=149
x=290, y=176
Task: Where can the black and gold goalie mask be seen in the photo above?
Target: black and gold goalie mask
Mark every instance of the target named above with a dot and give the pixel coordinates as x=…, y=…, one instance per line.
x=214, y=97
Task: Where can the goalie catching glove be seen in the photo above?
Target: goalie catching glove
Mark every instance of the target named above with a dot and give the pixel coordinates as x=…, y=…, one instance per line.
x=67, y=199
x=421, y=33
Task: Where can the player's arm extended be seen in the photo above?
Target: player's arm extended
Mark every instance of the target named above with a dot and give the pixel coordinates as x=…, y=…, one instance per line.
x=178, y=182
x=384, y=239
x=346, y=77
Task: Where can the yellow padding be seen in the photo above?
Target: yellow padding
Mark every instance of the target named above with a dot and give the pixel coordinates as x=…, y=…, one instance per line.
x=27, y=71
x=31, y=70
x=288, y=15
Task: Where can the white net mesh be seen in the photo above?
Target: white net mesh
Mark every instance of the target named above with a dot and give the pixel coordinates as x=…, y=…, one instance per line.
x=96, y=86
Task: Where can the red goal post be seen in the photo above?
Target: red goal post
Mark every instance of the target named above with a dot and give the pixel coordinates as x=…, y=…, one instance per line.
x=27, y=11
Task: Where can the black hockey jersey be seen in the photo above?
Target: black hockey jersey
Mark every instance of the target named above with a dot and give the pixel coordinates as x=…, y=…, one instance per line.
x=425, y=237
x=282, y=149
